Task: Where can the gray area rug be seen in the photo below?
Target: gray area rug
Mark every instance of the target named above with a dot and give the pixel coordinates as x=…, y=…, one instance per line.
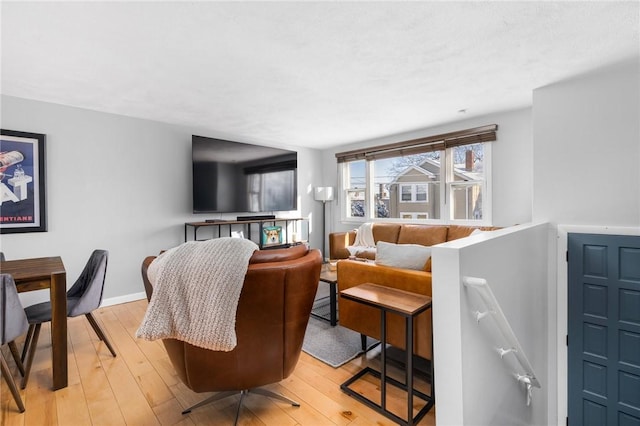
x=332, y=345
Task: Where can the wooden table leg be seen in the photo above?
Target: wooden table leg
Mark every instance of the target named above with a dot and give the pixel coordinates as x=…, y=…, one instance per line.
x=58, y=292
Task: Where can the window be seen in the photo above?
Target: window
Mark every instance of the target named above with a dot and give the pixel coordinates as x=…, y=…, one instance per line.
x=447, y=184
x=413, y=192
x=466, y=184
x=405, y=193
x=406, y=215
x=355, y=188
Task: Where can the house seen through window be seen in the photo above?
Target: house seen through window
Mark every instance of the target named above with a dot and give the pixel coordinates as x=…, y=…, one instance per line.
x=443, y=185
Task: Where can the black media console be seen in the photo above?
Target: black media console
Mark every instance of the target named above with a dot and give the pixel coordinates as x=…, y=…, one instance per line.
x=245, y=223
x=254, y=218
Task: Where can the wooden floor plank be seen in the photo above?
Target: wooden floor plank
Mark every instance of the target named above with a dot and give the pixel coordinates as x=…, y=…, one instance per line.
x=132, y=402
x=72, y=406
x=101, y=402
x=140, y=386
x=170, y=413
x=41, y=400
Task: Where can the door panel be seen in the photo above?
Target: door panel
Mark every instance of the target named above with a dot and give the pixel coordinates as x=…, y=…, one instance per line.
x=604, y=330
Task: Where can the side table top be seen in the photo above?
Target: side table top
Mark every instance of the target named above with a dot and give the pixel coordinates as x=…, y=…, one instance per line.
x=401, y=301
x=327, y=275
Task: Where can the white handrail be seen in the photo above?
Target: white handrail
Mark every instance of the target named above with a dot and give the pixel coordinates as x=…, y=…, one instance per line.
x=493, y=307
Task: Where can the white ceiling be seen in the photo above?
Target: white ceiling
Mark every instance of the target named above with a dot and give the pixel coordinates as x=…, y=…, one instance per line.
x=314, y=74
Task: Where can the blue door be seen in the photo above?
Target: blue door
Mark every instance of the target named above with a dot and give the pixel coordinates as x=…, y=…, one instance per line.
x=604, y=330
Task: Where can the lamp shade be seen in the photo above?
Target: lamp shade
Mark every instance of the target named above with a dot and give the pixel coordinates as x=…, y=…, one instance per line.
x=323, y=193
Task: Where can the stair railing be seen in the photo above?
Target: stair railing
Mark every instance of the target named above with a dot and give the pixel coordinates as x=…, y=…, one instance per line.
x=492, y=307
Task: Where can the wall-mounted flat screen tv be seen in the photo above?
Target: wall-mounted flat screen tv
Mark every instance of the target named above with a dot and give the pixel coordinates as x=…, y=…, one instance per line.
x=235, y=177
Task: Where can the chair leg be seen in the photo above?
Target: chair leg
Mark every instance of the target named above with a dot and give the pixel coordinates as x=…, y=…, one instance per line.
x=32, y=351
x=242, y=394
x=221, y=395
x=216, y=397
x=16, y=357
x=99, y=332
x=273, y=395
x=4, y=368
x=27, y=341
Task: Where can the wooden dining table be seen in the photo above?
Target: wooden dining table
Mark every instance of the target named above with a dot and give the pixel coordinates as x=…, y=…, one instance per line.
x=47, y=273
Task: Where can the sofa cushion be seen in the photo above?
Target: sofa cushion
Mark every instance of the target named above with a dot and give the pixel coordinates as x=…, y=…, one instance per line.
x=406, y=256
x=457, y=232
x=423, y=235
x=363, y=252
x=387, y=232
x=478, y=232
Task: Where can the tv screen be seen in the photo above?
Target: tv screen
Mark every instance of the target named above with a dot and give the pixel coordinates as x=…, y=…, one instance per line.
x=235, y=177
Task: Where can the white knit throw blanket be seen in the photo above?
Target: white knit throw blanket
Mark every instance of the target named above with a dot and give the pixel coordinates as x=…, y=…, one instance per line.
x=364, y=236
x=196, y=293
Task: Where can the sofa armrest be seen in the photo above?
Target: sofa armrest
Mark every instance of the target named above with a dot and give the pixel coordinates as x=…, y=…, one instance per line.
x=355, y=272
x=338, y=241
x=366, y=320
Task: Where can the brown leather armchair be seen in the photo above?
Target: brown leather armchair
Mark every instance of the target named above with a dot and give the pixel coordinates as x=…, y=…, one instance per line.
x=271, y=320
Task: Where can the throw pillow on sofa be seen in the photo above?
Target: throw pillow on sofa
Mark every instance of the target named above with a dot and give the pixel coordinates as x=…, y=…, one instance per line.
x=360, y=252
x=406, y=256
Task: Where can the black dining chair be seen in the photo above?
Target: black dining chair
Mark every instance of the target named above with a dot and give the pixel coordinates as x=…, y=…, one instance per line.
x=13, y=323
x=83, y=298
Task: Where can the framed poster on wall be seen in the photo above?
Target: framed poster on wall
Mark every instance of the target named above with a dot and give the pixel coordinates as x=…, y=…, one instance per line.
x=22, y=182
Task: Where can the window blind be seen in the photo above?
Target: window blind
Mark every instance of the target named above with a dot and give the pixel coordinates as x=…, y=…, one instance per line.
x=422, y=145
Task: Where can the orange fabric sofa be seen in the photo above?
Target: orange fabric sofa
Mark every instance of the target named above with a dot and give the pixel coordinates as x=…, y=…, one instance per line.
x=365, y=319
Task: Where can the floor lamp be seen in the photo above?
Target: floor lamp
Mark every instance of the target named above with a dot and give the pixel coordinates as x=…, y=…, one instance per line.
x=324, y=194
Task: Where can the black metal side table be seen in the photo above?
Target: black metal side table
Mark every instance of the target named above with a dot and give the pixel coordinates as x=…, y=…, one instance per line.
x=330, y=277
x=408, y=305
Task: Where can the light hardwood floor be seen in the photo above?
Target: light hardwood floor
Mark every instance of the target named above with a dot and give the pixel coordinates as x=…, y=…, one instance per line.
x=139, y=386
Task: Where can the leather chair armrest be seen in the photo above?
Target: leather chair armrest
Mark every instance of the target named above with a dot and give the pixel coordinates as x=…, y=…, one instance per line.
x=338, y=241
x=148, y=288
x=279, y=255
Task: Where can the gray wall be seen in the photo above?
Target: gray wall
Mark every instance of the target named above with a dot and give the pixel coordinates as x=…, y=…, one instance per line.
x=586, y=149
x=118, y=183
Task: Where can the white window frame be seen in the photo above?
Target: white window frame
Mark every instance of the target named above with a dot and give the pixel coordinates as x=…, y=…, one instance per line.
x=414, y=192
x=414, y=215
x=446, y=203
x=345, y=189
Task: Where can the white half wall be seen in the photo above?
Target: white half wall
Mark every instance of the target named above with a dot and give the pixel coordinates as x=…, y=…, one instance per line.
x=122, y=184
x=474, y=386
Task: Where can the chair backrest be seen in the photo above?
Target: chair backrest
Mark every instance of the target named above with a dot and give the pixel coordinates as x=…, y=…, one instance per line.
x=271, y=320
x=2, y=258
x=90, y=284
x=13, y=320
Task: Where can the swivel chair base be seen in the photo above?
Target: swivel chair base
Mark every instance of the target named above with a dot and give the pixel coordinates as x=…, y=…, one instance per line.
x=221, y=395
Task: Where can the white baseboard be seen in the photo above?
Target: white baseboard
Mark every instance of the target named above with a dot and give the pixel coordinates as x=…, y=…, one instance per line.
x=123, y=299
